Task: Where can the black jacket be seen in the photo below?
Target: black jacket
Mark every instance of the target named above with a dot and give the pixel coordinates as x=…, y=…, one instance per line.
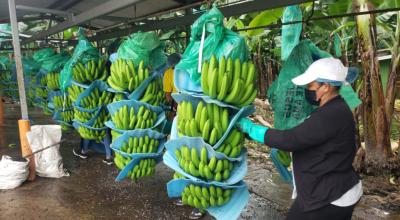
x=323, y=149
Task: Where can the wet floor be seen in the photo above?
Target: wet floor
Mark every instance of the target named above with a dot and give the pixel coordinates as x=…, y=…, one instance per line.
x=90, y=192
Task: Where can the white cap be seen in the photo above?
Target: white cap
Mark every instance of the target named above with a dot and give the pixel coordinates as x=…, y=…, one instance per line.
x=330, y=69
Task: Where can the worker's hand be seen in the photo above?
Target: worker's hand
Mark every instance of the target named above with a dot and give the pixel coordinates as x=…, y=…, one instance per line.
x=255, y=132
x=245, y=125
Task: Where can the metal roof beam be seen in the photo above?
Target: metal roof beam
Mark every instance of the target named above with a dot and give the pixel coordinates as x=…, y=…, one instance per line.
x=43, y=10
x=100, y=10
x=229, y=10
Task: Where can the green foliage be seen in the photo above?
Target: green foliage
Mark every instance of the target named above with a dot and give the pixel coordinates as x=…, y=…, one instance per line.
x=264, y=18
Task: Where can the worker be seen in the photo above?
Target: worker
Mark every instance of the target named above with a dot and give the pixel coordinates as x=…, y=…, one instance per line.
x=168, y=84
x=323, y=147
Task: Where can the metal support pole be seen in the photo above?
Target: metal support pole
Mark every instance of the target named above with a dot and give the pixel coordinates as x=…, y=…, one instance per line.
x=23, y=123
x=17, y=56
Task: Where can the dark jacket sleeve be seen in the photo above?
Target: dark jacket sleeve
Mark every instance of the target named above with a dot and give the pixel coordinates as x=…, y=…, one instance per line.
x=315, y=130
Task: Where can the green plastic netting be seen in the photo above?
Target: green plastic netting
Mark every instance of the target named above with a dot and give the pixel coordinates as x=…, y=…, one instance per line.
x=4, y=63
x=144, y=46
x=291, y=33
x=84, y=52
x=29, y=66
x=55, y=63
x=7, y=28
x=287, y=100
x=217, y=40
x=41, y=55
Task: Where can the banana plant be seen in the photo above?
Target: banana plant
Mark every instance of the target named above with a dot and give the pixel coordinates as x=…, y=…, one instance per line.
x=377, y=108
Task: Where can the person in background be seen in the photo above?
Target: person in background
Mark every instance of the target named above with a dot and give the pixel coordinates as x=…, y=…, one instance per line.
x=168, y=83
x=82, y=153
x=323, y=147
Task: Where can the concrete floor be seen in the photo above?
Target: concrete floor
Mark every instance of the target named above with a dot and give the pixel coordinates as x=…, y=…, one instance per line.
x=90, y=192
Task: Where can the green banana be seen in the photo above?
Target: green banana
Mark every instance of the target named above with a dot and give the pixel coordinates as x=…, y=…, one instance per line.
x=204, y=78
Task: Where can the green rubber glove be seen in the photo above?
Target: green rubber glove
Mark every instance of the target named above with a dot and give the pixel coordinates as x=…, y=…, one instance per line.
x=256, y=132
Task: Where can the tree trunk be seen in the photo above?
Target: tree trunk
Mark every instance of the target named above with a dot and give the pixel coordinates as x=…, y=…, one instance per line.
x=375, y=121
x=394, y=69
x=262, y=72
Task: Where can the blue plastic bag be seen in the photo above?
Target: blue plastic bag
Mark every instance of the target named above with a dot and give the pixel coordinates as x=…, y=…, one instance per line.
x=102, y=86
x=282, y=170
x=57, y=116
x=239, y=166
x=115, y=106
x=80, y=84
x=234, y=114
x=51, y=96
x=76, y=124
x=124, y=172
x=138, y=92
x=231, y=210
x=95, y=113
x=121, y=140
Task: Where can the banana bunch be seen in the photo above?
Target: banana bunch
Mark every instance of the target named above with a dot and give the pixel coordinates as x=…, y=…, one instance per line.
x=115, y=135
x=143, y=144
x=47, y=111
x=125, y=76
x=91, y=134
x=118, y=97
x=59, y=102
x=74, y=91
x=67, y=116
x=178, y=176
x=154, y=94
x=229, y=81
x=41, y=92
x=203, y=167
x=64, y=127
x=43, y=81
x=128, y=120
x=204, y=197
x=146, y=167
x=101, y=119
x=83, y=116
x=210, y=121
x=121, y=161
x=53, y=81
x=96, y=98
x=93, y=70
x=233, y=144
x=284, y=158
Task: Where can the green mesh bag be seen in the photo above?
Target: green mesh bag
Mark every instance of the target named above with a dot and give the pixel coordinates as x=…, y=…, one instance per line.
x=144, y=46
x=7, y=28
x=287, y=100
x=290, y=33
x=42, y=55
x=84, y=52
x=4, y=63
x=208, y=37
x=29, y=66
x=55, y=63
